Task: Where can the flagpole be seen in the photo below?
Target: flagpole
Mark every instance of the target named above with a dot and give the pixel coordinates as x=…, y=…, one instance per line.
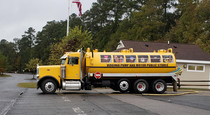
x=67, y=32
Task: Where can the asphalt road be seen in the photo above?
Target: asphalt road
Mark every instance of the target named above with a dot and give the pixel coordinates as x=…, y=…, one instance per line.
x=9, y=90
x=200, y=100
x=22, y=101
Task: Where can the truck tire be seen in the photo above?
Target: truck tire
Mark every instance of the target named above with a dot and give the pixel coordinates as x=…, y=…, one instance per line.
x=123, y=85
x=159, y=86
x=140, y=86
x=48, y=86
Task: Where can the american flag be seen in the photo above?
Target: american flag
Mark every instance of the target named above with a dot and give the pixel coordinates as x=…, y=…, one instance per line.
x=79, y=5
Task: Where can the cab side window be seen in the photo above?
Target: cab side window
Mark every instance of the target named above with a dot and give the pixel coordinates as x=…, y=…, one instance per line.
x=118, y=58
x=143, y=58
x=167, y=58
x=130, y=59
x=155, y=58
x=73, y=60
x=106, y=58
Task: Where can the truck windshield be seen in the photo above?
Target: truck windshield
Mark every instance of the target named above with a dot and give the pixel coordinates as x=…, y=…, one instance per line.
x=63, y=61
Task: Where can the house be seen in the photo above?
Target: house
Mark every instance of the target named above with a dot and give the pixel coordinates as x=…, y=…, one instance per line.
x=191, y=58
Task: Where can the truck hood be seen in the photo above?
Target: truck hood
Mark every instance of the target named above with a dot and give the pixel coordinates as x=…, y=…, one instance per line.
x=52, y=70
x=49, y=66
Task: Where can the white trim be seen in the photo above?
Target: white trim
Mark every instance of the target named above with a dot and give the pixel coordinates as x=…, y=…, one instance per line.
x=192, y=61
x=120, y=45
x=173, y=75
x=195, y=68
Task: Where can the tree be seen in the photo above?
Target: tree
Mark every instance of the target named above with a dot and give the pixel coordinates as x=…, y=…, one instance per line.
x=76, y=39
x=168, y=17
x=29, y=36
x=52, y=33
x=193, y=25
x=203, y=15
x=121, y=33
x=3, y=63
x=32, y=64
x=8, y=50
x=144, y=25
x=25, y=46
x=183, y=32
x=103, y=19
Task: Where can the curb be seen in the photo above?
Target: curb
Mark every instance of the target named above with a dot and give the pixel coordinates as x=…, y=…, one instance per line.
x=184, y=93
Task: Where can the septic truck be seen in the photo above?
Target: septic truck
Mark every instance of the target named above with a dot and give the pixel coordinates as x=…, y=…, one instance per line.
x=122, y=71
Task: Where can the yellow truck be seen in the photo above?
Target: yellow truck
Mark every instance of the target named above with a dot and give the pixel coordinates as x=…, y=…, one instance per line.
x=122, y=71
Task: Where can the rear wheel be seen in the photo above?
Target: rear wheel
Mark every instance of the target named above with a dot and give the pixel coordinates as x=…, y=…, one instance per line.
x=49, y=86
x=123, y=85
x=159, y=86
x=140, y=86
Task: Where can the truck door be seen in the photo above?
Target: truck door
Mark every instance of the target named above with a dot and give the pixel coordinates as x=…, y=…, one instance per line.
x=73, y=68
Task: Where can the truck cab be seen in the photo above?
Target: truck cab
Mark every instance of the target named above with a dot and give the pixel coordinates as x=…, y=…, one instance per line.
x=66, y=76
x=73, y=66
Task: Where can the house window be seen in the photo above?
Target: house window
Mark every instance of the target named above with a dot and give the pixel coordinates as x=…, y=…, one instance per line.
x=196, y=68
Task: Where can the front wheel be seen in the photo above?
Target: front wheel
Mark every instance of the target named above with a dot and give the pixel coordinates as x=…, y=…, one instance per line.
x=48, y=86
x=140, y=86
x=159, y=86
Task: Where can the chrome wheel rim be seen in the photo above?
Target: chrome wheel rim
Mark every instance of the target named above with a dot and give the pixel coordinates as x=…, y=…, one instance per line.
x=49, y=86
x=124, y=85
x=159, y=86
x=141, y=86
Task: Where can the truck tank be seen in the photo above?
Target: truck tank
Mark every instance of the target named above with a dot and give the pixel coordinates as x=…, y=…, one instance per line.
x=127, y=61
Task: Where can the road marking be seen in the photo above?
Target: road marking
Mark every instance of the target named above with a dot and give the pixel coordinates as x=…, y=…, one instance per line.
x=65, y=99
x=79, y=111
x=9, y=106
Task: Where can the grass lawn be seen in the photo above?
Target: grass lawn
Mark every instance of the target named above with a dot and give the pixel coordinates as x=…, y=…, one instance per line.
x=4, y=75
x=27, y=85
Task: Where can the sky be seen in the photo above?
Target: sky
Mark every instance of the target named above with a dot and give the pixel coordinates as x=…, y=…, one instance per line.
x=16, y=16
